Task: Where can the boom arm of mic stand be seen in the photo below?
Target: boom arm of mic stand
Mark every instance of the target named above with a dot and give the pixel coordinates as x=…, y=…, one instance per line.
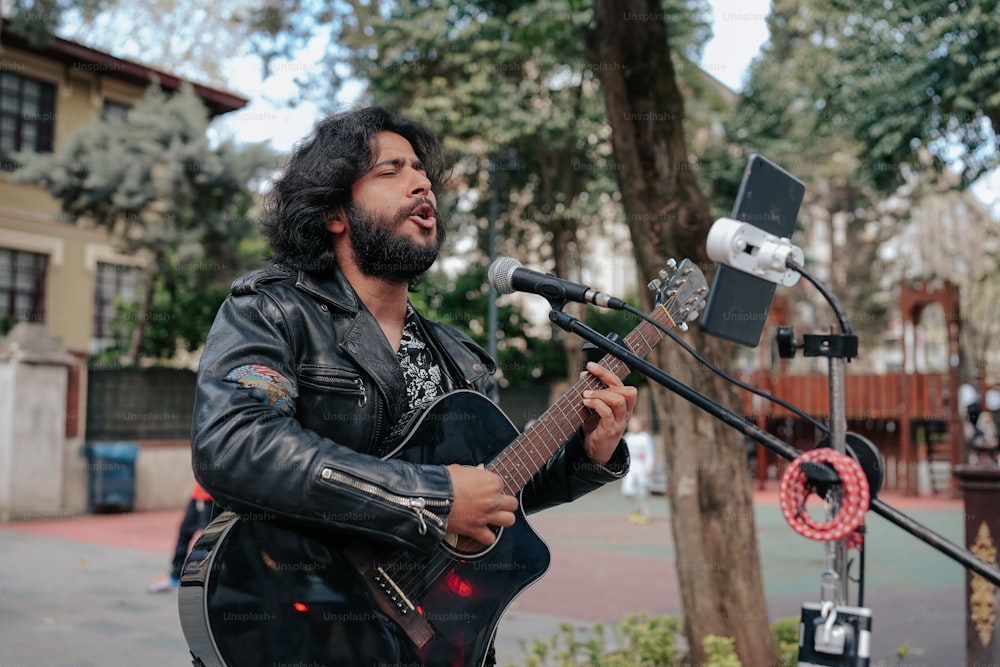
x=959, y=554
x=573, y=325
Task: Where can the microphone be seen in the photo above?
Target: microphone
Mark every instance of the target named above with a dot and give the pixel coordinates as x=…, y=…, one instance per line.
x=507, y=275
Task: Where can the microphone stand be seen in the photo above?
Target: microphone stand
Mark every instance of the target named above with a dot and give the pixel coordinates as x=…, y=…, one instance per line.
x=614, y=348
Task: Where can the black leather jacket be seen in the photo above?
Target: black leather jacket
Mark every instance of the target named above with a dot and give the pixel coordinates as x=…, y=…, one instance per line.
x=296, y=390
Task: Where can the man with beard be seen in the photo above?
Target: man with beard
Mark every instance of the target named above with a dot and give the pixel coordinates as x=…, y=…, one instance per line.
x=317, y=366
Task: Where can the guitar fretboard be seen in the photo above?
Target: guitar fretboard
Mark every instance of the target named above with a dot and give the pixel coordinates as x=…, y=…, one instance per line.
x=527, y=454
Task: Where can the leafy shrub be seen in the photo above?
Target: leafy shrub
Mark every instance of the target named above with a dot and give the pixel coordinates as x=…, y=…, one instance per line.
x=644, y=640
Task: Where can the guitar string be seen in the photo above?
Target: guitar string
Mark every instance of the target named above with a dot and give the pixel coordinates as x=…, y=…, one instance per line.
x=444, y=560
x=441, y=560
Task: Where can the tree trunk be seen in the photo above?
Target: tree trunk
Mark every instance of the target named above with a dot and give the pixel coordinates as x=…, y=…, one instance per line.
x=145, y=305
x=718, y=563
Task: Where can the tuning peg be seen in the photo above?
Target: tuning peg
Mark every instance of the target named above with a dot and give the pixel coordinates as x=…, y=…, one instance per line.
x=654, y=284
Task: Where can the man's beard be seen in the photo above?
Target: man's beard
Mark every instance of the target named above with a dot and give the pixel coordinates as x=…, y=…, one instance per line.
x=381, y=252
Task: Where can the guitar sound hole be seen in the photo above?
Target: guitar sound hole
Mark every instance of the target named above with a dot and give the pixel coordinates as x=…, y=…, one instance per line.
x=467, y=547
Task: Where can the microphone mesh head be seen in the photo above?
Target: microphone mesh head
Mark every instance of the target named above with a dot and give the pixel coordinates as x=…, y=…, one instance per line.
x=500, y=274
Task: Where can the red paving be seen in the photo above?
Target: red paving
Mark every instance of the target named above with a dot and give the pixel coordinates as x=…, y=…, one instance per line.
x=647, y=588
x=769, y=496
x=155, y=532
x=641, y=582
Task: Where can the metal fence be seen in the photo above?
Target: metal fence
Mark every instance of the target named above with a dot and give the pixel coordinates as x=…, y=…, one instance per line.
x=139, y=404
x=157, y=403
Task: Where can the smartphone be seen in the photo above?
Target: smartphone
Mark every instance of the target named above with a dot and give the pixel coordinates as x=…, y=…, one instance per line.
x=737, y=306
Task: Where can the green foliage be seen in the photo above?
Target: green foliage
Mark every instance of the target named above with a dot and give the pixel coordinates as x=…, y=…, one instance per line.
x=154, y=181
x=523, y=356
x=36, y=20
x=941, y=62
x=637, y=640
x=152, y=177
x=643, y=640
x=859, y=98
x=786, y=638
x=6, y=324
x=185, y=302
x=720, y=652
x=904, y=85
x=651, y=640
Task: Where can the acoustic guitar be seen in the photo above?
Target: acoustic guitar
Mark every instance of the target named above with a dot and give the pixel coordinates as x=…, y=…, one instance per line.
x=259, y=592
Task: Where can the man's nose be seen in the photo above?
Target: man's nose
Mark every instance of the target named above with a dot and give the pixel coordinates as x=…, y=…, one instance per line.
x=421, y=184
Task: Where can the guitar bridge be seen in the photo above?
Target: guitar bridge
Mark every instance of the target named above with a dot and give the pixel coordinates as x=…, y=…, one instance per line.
x=388, y=595
x=393, y=592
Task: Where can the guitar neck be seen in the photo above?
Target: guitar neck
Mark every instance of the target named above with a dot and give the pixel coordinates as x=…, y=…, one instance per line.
x=528, y=453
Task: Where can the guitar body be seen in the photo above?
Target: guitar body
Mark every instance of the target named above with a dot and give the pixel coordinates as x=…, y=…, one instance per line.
x=255, y=592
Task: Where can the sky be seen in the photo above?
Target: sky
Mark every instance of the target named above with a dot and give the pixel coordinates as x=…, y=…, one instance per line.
x=739, y=29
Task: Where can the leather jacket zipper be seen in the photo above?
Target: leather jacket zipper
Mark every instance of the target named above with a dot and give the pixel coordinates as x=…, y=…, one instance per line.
x=363, y=399
x=329, y=380
x=418, y=505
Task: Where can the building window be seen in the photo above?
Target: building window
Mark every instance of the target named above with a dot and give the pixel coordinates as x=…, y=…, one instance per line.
x=27, y=116
x=115, y=110
x=113, y=284
x=22, y=287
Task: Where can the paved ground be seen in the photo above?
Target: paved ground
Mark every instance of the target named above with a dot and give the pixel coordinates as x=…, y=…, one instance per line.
x=72, y=592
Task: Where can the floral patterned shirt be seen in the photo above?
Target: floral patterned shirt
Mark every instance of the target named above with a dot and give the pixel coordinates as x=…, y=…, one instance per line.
x=421, y=372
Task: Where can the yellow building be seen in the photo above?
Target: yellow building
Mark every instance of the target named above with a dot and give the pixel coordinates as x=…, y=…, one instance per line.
x=51, y=269
x=65, y=276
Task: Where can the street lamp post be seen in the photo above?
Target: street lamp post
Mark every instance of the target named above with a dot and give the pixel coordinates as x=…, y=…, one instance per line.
x=494, y=212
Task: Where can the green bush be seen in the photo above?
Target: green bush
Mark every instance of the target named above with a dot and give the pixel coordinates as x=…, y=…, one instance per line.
x=644, y=640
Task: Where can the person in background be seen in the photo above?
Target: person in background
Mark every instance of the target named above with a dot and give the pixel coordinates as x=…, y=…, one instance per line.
x=991, y=400
x=986, y=441
x=197, y=515
x=635, y=485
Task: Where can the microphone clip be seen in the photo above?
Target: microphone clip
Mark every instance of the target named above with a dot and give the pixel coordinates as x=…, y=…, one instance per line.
x=752, y=250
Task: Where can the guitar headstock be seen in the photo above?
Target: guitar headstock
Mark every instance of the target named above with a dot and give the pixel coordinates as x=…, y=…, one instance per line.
x=681, y=289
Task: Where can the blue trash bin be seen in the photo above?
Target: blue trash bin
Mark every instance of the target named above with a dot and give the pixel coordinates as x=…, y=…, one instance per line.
x=111, y=476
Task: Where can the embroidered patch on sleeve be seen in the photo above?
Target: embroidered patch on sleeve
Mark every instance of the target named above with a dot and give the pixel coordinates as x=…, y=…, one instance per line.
x=266, y=385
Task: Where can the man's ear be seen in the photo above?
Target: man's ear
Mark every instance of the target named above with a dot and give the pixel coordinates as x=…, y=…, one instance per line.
x=335, y=220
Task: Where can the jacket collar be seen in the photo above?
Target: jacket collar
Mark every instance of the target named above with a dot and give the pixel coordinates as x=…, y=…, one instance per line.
x=331, y=287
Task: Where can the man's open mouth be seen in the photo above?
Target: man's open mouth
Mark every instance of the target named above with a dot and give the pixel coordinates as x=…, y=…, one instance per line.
x=423, y=215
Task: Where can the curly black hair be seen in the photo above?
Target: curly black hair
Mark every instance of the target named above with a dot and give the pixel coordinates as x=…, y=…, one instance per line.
x=320, y=175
